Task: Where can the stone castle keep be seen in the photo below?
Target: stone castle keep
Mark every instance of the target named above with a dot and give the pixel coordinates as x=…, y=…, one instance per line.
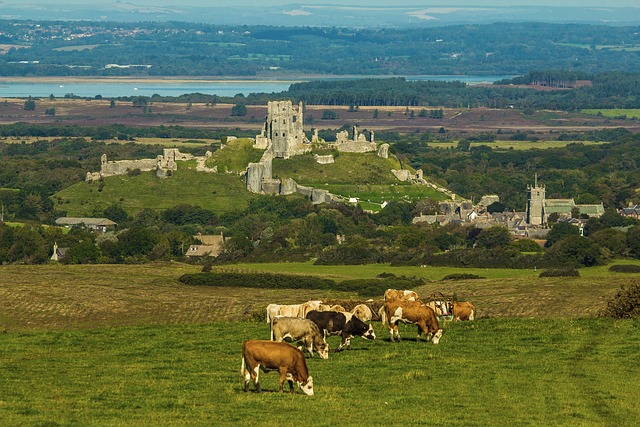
x=282, y=136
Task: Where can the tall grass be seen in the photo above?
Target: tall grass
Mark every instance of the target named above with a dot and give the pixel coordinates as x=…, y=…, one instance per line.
x=487, y=372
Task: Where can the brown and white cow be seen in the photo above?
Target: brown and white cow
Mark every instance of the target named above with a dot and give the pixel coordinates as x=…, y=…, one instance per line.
x=403, y=295
x=413, y=312
x=463, y=310
x=275, y=356
x=362, y=312
x=300, y=330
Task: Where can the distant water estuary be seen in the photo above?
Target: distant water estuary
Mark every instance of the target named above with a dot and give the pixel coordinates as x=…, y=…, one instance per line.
x=167, y=87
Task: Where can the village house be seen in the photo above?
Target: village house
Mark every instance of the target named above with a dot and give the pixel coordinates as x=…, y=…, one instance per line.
x=210, y=245
x=95, y=224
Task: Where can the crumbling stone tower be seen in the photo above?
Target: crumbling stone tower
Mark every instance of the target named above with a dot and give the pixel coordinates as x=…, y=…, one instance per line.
x=284, y=129
x=535, y=204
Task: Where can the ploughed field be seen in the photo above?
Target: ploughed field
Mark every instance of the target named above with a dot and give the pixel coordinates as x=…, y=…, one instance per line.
x=129, y=345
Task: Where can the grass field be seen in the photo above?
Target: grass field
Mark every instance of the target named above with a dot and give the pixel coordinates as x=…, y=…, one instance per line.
x=218, y=192
x=166, y=142
x=489, y=372
x=615, y=113
x=128, y=345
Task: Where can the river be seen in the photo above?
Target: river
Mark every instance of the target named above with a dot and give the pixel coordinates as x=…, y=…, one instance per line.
x=168, y=87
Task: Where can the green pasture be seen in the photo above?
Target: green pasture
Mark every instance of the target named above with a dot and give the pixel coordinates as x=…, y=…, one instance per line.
x=347, y=168
x=516, y=145
x=630, y=113
x=372, y=196
x=218, y=192
x=428, y=273
x=487, y=372
x=234, y=156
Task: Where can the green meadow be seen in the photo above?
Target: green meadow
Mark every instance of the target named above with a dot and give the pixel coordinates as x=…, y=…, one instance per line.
x=516, y=145
x=488, y=372
x=629, y=113
x=128, y=345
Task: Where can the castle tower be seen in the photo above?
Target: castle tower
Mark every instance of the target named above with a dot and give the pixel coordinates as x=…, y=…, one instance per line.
x=535, y=204
x=284, y=128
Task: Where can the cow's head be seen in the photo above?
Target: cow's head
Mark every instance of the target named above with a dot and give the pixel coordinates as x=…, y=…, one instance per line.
x=307, y=386
x=323, y=350
x=370, y=334
x=436, y=336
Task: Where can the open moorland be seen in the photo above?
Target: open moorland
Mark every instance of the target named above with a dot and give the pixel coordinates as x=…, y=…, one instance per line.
x=97, y=112
x=129, y=345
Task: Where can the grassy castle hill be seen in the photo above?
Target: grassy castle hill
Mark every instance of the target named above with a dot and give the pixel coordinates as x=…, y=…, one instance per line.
x=365, y=176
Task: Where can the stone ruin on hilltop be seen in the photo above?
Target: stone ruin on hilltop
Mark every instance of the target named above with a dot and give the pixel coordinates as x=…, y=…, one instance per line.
x=282, y=136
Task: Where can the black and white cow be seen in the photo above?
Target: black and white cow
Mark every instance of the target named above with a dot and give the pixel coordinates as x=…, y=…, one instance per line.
x=341, y=323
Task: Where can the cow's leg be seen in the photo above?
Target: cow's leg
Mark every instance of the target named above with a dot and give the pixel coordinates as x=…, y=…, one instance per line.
x=283, y=375
x=246, y=376
x=395, y=329
x=290, y=380
x=419, y=332
x=255, y=374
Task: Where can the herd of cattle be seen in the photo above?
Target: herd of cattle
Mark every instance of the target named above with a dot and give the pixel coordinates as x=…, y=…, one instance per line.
x=309, y=324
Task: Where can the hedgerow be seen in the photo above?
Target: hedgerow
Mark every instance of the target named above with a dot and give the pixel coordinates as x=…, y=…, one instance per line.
x=625, y=304
x=625, y=268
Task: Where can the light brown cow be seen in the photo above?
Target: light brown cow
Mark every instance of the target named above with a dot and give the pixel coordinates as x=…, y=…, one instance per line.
x=463, y=310
x=300, y=330
x=413, y=312
x=404, y=295
x=275, y=356
x=291, y=310
x=362, y=312
x=337, y=307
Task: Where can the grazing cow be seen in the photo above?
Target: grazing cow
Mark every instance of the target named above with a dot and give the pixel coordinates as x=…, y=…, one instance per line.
x=307, y=307
x=292, y=310
x=441, y=307
x=404, y=295
x=463, y=310
x=323, y=307
x=275, y=356
x=362, y=312
x=413, y=312
x=300, y=330
x=337, y=307
x=340, y=323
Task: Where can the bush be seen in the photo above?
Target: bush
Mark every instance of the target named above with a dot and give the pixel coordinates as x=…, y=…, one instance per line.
x=560, y=272
x=462, y=276
x=625, y=268
x=625, y=304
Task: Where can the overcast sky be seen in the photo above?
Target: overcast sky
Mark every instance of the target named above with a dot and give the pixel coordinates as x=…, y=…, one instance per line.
x=213, y=3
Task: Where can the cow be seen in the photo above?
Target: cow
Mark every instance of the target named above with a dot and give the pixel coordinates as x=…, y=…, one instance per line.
x=300, y=330
x=413, y=312
x=362, y=312
x=441, y=307
x=307, y=307
x=404, y=295
x=275, y=356
x=341, y=323
x=337, y=307
x=291, y=310
x=463, y=310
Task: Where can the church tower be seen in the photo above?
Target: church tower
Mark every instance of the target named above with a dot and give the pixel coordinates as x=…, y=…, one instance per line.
x=535, y=204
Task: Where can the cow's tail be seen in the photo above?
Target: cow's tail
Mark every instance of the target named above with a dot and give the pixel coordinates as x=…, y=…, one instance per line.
x=242, y=369
x=472, y=316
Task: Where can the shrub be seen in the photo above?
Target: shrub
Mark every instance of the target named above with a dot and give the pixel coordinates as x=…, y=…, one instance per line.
x=625, y=304
x=625, y=268
x=461, y=276
x=560, y=272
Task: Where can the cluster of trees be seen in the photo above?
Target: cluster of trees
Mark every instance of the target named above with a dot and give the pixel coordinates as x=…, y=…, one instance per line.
x=286, y=229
